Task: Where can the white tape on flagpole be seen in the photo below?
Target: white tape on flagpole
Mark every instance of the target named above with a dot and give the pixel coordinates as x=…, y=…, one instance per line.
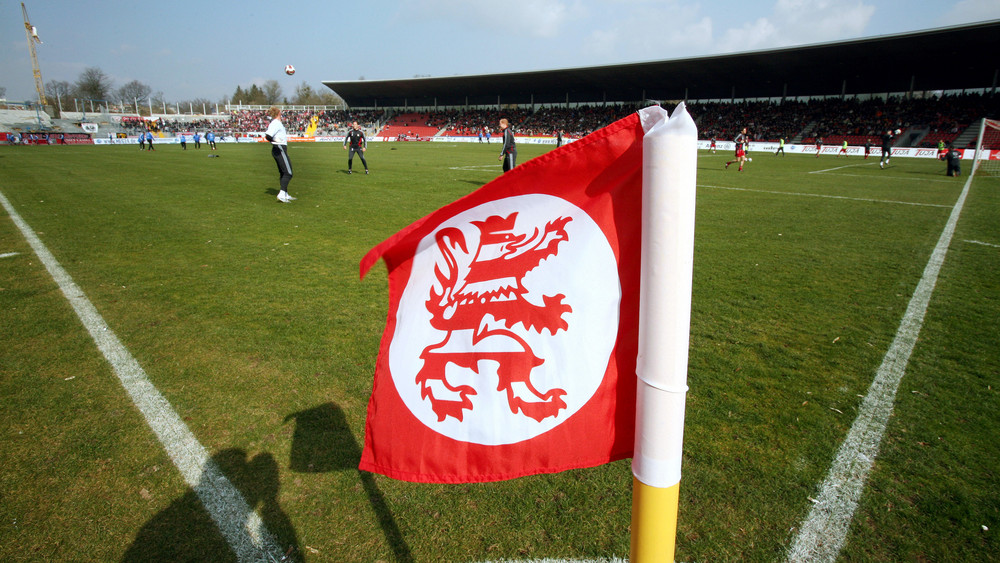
x=670, y=156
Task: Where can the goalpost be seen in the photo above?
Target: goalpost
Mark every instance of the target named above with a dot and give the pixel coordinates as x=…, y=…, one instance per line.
x=987, y=157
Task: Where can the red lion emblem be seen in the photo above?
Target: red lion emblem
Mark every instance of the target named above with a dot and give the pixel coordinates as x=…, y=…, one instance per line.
x=491, y=285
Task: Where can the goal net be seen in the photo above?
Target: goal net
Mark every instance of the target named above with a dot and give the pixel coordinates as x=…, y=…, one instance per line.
x=988, y=148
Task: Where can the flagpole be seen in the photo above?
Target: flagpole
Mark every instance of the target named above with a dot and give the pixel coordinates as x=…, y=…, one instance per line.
x=670, y=155
x=654, y=521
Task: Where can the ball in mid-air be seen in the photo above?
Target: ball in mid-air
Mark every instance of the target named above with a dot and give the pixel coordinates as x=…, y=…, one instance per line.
x=898, y=131
x=289, y=70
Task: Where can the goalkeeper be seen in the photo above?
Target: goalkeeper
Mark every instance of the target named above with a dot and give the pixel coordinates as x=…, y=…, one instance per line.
x=356, y=140
x=954, y=159
x=887, y=138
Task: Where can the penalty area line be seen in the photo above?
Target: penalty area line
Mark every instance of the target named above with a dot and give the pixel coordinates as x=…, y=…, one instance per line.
x=841, y=167
x=239, y=523
x=982, y=243
x=887, y=177
x=827, y=196
x=474, y=167
x=821, y=536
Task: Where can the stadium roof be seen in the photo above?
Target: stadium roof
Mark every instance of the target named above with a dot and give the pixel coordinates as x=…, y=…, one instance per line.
x=952, y=58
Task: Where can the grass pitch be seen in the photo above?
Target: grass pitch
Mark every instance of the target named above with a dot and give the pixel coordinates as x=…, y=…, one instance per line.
x=249, y=317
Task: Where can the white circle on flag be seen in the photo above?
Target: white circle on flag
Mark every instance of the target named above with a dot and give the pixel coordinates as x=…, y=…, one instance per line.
x=434, y=369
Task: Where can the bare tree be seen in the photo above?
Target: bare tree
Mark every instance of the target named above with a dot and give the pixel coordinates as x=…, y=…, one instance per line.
x=160, y=101
x=304, y=95
x=58, y=89
x=93, y=84
x=197, y=105
x=134, y=92
x=328, y=98
x=272, y=92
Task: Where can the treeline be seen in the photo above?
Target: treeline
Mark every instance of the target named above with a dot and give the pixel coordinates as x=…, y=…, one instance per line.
x=95, y=88
x=271, y=93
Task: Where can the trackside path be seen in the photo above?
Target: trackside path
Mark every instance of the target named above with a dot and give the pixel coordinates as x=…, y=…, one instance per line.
x=821, y=536
x=241, y=526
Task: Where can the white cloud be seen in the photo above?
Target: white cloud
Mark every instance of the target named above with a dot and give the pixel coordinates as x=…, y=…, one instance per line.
x=543, y=19
x=653, y=34
x=658, y=31
x=751, y=36
x=799, y=22
x=972, y=11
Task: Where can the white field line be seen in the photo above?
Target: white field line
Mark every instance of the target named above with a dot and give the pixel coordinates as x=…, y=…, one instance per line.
x=474, y=167
x=241, y=526
x=982, y=243
x=9, y=254
x=821, y=536
x=825, y=196
x=942, y=181
x=842, y=167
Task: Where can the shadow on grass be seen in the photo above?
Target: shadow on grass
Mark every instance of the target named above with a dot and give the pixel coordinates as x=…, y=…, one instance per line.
x=323, y=442
x=184, y=531
x=475, y=182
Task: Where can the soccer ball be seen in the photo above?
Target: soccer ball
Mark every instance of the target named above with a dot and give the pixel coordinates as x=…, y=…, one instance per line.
x=749, y=160
x=289, y=70
x=898, y=131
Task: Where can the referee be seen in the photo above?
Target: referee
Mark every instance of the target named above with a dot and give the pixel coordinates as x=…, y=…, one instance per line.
x=508, y=154
x=356, y=139
x=278, y=138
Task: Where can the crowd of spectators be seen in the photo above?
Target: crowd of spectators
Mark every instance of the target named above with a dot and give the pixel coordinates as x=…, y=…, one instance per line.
x=241, y=122
x=940, y=117
x=132, y=125
x=328, y=122
x=937, y=116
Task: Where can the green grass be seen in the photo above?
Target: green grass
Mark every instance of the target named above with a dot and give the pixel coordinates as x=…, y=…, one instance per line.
x=248, y=315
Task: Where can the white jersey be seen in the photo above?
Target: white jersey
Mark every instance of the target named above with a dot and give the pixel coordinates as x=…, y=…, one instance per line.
x=276, y=130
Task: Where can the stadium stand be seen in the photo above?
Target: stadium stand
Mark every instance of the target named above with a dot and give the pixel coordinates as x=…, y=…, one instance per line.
x=414, y=125
x=925, y=121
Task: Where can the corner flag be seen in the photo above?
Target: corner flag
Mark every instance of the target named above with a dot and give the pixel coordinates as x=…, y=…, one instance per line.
x=514, y=324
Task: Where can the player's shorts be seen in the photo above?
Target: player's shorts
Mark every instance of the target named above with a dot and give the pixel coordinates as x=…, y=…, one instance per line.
x=740, y=152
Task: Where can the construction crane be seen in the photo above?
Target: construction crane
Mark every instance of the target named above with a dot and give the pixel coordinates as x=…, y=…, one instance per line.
x=32, y=34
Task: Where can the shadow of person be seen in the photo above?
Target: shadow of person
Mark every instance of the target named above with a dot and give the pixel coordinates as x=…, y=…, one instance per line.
x=185, y=530
x=322, y=442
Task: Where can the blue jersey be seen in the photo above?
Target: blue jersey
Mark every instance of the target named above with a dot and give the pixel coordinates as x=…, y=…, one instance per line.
x=209, y=136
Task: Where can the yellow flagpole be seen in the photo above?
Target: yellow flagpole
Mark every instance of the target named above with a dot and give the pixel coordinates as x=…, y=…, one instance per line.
x=670, y=155
x=654, y=522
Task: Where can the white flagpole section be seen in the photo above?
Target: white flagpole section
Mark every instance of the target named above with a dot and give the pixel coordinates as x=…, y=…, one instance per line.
x=670, y=156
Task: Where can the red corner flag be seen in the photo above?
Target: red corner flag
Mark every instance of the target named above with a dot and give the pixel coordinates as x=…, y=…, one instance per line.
x=511, y=339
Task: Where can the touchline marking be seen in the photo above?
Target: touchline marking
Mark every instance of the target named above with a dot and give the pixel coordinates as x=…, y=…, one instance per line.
x=822, y=535
x=826, y=196
x=241, y=526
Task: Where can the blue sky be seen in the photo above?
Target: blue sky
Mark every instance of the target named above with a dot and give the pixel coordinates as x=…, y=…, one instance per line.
x=204, y=48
